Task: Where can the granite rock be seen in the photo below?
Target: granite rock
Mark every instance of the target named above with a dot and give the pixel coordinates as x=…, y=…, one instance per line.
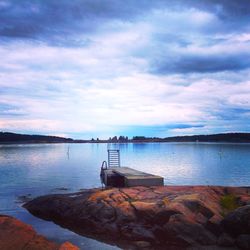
x=238, y=221
x=15, y=234
x=176, y=216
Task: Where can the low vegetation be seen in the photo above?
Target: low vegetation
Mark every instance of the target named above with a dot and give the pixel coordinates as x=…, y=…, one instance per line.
x=229, y=202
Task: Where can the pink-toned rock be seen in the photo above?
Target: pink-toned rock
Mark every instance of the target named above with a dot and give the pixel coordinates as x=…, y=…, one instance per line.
x=68, y=246
x=176, y=216
x=15, y=234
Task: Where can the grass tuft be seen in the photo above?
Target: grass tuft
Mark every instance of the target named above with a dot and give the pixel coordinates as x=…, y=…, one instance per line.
x=229, y=202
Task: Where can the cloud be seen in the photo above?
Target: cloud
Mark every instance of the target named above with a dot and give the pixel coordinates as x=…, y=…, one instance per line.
x=7, y=110
x=204, y=63
x=160, y=130
x=60, y=23
x=99, y=68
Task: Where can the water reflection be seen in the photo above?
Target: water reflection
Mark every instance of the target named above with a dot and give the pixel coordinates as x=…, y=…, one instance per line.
x=44, y=168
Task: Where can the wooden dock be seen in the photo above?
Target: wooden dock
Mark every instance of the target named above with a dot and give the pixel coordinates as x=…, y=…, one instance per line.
x=128, y=177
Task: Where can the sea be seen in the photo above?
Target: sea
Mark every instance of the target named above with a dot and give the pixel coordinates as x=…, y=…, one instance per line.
x=31, y=170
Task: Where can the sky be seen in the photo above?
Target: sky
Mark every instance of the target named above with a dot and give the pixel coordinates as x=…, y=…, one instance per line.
x=100, y=68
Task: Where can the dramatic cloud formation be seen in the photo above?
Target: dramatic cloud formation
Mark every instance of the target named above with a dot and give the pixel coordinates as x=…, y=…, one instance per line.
x=88, y=68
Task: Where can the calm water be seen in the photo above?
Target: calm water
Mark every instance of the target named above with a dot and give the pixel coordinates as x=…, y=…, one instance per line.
x=39, y=169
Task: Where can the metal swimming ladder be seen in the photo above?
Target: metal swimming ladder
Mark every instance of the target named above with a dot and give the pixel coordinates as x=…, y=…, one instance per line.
x=114, y=158
x=113, y=162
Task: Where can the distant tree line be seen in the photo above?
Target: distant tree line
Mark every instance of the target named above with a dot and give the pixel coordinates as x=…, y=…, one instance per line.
x=6, y=137
x=112, y=139
x=228, y=137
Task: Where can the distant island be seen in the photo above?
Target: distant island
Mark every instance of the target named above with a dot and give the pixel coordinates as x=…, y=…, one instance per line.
x=224, y=137
x=7, y=137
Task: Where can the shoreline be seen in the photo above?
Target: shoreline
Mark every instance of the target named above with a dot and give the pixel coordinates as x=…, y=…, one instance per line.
x=236, y=137
x=179, y=216
x=129, y=142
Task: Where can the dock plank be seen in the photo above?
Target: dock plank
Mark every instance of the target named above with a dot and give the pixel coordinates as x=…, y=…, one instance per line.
x=134, y=177
x=126, y=171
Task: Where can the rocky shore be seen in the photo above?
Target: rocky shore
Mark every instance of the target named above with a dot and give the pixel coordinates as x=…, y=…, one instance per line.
x=15, y=235
x=176, y=217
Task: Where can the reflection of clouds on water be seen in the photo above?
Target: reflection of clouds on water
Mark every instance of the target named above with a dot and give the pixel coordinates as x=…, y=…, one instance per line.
x=45, y=168
x=31, y=155
x=48, y=165
x=30, y=166
x=192, y=163
x=164, y=159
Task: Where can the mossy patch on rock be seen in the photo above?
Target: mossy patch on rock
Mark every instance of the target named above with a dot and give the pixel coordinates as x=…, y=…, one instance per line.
x=229, y=202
